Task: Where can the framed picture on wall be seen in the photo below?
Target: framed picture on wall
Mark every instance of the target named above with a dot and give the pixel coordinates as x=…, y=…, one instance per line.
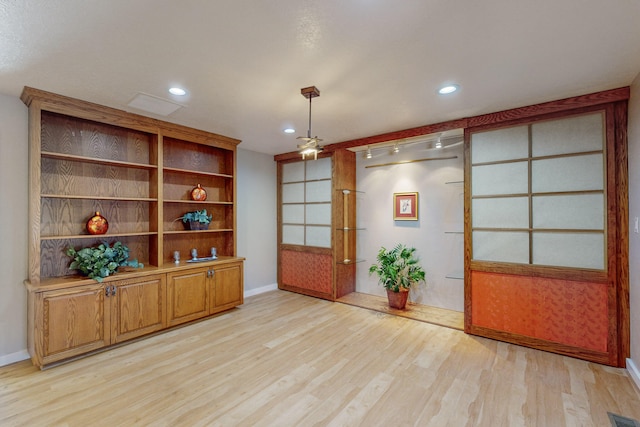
x=405, y=206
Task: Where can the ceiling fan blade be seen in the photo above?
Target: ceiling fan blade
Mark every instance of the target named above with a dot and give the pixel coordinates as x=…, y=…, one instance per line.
x=314, y=139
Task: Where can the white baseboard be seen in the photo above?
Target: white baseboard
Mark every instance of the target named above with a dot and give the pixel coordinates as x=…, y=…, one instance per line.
x=19, y=356
x=634, y=372
x=263, y=289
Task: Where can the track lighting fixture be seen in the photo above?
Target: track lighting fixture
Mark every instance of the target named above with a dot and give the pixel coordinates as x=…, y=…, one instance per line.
x=368, y=154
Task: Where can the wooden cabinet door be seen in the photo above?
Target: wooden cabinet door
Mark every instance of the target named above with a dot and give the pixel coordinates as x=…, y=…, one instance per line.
x=137, y=307
x=227, y=287
x=73, y=322
x=187, y=295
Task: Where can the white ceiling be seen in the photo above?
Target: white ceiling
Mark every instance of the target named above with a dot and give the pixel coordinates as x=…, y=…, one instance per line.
x=377, y=63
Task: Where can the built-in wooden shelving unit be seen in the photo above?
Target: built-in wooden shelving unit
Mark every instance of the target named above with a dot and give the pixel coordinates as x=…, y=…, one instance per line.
x=138, y=173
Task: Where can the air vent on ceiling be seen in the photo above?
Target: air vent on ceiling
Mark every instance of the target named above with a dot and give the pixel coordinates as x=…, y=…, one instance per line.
x=153, y=104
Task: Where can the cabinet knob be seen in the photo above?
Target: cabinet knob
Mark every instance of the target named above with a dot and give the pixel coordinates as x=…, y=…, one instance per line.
x=113, y=289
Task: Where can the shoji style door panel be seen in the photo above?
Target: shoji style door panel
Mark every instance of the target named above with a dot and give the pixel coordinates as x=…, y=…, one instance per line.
x=305, y=260
x=543, y=250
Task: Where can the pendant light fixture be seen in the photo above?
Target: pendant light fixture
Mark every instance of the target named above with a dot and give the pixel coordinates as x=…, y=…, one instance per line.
x=311, y=144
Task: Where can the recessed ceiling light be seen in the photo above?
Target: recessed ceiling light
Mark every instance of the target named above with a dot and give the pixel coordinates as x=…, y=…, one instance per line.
x=444, y=90
x=177, y=91
x=289, y=130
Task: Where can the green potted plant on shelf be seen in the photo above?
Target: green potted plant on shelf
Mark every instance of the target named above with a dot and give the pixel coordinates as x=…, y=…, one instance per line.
x=101, y=261
x=398, y=269
x=197, y=220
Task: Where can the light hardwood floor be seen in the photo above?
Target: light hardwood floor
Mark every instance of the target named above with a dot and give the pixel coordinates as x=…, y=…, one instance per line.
x=284, y=359
x=424, y=313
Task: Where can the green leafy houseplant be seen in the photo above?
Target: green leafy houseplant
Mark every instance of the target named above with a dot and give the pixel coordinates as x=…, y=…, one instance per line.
x=398, y=268
x=197, y=220
x=101, y=261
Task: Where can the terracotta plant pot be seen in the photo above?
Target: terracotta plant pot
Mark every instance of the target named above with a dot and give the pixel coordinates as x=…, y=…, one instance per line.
x=398, y=299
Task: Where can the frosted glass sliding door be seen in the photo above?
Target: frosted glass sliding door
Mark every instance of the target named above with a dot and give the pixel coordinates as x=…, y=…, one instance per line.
x=538, y=193
x=306, y=203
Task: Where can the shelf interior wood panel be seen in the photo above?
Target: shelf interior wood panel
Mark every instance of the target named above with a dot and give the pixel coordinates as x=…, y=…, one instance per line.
x=195, y=157
x=178, y=186
x=72, y=178
x=61, y=217
x=77, y=137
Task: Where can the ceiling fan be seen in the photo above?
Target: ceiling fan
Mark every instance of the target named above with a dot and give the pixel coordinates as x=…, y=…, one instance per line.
x=311, y=145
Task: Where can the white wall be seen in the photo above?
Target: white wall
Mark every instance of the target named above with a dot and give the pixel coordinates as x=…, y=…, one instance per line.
x=14, y=187
x=440, y=210
x=256, y=222
x=633, y=365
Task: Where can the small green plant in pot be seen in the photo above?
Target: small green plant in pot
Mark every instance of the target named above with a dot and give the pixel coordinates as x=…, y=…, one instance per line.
x=398, y=269
x=101, y=261
x=197, y=220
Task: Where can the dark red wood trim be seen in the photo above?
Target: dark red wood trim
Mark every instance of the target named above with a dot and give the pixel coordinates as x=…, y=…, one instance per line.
x=589, y=100
x=407, y=133
x=468, y=237
x=581, y=101
x=304, y=291
x=544, y=345
x=576, y=274
x=279, y=222
x=306, y=249
x=376, y=139
x=612, y=234
x=622, y=240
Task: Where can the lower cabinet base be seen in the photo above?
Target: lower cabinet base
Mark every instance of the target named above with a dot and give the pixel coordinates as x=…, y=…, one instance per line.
x=63, y=361
x=70, y=319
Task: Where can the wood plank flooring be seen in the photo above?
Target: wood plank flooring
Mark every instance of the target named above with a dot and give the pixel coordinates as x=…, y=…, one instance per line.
x=423, y=313
x=284, y=359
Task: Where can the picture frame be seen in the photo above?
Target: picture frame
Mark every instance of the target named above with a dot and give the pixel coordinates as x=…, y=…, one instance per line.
x=405, y=206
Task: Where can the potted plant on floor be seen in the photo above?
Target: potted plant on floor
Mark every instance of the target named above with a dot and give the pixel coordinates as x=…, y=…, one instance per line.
x=398, y=270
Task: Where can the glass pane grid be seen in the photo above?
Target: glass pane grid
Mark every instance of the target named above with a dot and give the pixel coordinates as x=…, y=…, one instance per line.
x=560, y=219
x=306, y=203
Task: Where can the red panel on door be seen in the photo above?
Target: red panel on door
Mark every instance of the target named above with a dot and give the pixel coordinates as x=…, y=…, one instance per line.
x=307, y=270
x=563, y=311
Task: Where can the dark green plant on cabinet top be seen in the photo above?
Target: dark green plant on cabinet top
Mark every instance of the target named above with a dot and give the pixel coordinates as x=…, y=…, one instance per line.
x=101, y=261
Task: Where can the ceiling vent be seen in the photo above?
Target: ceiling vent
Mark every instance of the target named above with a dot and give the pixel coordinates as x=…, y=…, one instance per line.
x=153, y=104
